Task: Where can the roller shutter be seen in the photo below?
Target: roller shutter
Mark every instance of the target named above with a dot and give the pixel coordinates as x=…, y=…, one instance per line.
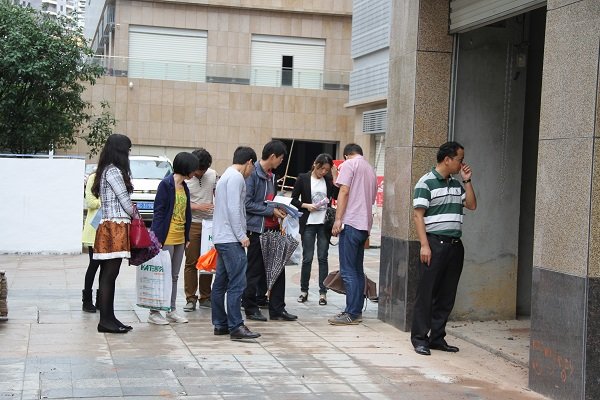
x=470, y=14
x=308, y=61
x=167, y=53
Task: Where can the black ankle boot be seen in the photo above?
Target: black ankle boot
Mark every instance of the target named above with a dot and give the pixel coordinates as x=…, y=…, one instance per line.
x=86, y=298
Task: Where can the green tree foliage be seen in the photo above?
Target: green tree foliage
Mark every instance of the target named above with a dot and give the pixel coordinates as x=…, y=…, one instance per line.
x=43, y=73
x=99, y=129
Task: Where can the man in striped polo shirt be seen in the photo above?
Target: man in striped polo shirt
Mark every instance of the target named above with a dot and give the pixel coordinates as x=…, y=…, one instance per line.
x=438, y=213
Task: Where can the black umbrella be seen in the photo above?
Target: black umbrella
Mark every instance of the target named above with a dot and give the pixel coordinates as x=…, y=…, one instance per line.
x=277, y=248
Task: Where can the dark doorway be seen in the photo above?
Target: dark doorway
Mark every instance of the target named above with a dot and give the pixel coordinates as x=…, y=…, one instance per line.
x=496, y=118
x=287, y=71
x=301, y=154
x=531, y=126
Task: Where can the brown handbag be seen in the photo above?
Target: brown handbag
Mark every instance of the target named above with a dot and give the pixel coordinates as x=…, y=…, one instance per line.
x=139, y=237
x=334, y=282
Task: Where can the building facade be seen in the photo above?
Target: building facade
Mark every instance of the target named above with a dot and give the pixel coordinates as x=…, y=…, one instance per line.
x=182, y=75
x=52, y=7
x=516, y=82
x=371, y=22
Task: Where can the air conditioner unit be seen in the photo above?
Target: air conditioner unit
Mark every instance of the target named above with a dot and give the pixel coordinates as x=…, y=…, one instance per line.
x=374, y=121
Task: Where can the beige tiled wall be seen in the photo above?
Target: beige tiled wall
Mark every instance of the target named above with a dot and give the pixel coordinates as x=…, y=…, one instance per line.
x=418, y=99
x=221, y=117
x=230, y=29
x=309, y=6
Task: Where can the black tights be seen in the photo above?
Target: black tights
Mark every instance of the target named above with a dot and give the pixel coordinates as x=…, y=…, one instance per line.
x=90, y=274
x=109, y=270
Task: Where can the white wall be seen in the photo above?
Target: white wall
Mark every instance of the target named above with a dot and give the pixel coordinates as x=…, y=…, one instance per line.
x=41, y=205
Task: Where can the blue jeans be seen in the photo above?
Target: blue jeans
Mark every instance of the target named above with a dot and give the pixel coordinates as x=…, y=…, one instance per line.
x=352, y=253
x=230, y=278
x=308, y=250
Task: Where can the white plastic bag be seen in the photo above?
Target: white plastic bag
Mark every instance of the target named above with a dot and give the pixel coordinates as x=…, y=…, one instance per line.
x=291, y=226
x=154, y=282
x=206, y=240
x=296, y=257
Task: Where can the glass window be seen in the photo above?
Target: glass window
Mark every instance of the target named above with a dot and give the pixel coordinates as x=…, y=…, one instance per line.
x=149, y=169
x=287, y=71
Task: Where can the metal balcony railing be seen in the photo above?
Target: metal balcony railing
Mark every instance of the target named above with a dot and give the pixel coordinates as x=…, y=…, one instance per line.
x=240, y=74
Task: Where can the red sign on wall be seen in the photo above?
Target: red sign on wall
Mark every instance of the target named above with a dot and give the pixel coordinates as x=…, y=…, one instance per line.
x=379, y=197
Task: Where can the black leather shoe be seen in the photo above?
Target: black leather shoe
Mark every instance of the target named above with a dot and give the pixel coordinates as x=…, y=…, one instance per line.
x=122, y=325
x=115, y=329
x=242, y=332
x=444, y=347
x=257, y=316
x=422, y=350
x=284, y=316
x=127, y=327
x=221, y=331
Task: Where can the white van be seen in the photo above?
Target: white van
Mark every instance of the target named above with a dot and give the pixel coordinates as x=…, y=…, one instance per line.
x=146, y=174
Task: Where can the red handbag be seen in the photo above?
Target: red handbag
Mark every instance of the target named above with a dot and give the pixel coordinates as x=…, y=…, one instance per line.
x=139, y=238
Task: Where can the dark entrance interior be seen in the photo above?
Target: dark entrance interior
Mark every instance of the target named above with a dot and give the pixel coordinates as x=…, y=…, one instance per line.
x=531, y=126
x=301, y=154
x=496, y=118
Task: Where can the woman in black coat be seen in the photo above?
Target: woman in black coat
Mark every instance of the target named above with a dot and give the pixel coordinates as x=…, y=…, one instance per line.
x=312, y=194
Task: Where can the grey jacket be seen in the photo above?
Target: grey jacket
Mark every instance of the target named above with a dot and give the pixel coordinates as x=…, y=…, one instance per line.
x=258, y=185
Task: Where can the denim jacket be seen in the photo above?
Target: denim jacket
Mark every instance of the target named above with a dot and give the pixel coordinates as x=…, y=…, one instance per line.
x=258, y=185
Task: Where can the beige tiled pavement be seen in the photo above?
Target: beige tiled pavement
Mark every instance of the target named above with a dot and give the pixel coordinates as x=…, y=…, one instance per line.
x=49, y=349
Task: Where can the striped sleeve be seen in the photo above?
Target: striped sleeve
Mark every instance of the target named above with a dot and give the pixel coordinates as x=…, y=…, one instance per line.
x=422, y=195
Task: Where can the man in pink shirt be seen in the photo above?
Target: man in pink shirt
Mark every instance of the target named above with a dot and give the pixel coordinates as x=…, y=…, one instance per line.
x=353, y=222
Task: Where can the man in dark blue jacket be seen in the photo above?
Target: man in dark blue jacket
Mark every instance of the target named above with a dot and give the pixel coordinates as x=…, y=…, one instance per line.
x=260, y=218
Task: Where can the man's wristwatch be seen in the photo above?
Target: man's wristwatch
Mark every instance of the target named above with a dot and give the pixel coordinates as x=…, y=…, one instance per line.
x=466, y=181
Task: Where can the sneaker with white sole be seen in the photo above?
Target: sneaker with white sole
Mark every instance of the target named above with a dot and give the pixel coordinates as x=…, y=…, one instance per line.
x=189, y=306
x=157, y=318
x=344, y=319
x=172, y=316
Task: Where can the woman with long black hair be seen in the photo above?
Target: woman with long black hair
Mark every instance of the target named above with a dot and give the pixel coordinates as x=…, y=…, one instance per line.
x=113, y=186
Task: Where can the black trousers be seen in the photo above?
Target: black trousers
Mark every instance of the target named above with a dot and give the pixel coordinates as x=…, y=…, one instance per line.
x=436, y=291
x=254, y=273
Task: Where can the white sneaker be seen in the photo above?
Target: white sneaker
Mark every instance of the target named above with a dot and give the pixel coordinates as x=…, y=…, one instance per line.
x=174, y=317
x=157, y=318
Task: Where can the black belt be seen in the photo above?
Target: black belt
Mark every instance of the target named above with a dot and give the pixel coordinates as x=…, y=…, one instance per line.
x=445, y=239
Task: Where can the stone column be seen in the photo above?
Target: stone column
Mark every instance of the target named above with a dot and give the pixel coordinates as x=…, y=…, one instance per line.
x=418, y=108
x=565, y=323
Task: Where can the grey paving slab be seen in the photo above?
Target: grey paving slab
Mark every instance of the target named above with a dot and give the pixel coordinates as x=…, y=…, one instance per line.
x=50, y=349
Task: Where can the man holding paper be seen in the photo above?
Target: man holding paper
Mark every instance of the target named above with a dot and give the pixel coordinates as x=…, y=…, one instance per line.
x=263, y=217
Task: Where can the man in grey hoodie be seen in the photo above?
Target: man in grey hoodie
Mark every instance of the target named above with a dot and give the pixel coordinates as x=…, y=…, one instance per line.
x=230, y=239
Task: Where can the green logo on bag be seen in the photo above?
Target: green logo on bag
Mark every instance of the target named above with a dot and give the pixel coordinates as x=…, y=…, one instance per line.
x=151, y=268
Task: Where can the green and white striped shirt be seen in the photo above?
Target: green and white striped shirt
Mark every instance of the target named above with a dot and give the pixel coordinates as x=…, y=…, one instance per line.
x=443, y=200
